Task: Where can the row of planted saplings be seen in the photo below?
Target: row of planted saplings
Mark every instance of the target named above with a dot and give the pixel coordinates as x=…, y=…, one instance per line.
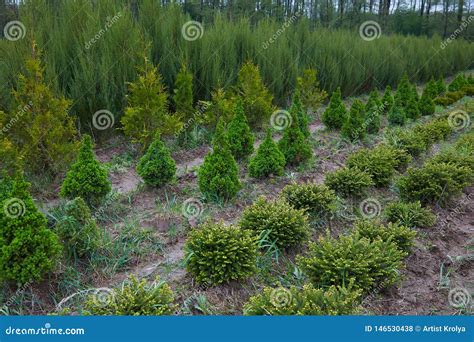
x=340, y=270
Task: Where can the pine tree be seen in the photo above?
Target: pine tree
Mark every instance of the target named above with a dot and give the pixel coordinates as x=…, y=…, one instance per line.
x=28, y=248
x=294, y=144
x=335, y=115
x=41, y=130
x=431, y=89
x=239, y=135
x=10, y=162
x=156, y=166
x=373, y=109
x=218, y=177
x=411, y=108
x=303, y=120
x=87, y=178
x=311, y=95
x=387, y=100
x=147, y=111
x=183, y=94
x=268, y=161
x=426, y=104
x=257, y=100
x=396, y=116
x=404, y=91
x=353, y=128
x=441, y=86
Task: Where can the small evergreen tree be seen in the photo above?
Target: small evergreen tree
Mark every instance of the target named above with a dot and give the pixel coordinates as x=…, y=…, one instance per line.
x=183, y=94
x=87, y=178
x=257, y=100
x=426, y=104
x=222, y=105
x=269, y=160
x=353, y=127
x=396, y=115
x=411, y=108
x=387, y=100
x=335, y=115
x=431, y=89
x=441, y=86
x=239, y=134
x=147, y=110
x=303, y=120
x=294, y=144
x=218, y=177
x=28, y=248
x=404, y=91
x=458, y=82
x=307, y=86
x=156, y=166
x=373, y=109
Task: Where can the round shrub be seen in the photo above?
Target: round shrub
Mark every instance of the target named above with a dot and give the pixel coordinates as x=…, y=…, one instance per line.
x=433, y=131
x=347, y=259
x=268, y=161
x=318, y=200
x=411, y=215
x=306, y=301
x=216, y=254
x=133, y=298
x=453, y=157
x=287, y=226
x=87, y=178
x=156, y=166
x=77, y=229
x=402, y=236
x=465, y=144
x=407, y=140
x=349, y=182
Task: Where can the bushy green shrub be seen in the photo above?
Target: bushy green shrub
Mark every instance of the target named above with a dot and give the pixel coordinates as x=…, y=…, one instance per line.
x=434, y=182
x=86, y=178
x=287, y=226
x=340, y=261
x=239, y=134
x=216, y=254
x=453, y=157
x=433, y=131
x=156, y=166
x=402, y=236
x=458, y=82
x=431, y=89
x=77, y=229
x=269, y=160
x=412, y=110
x=373, y=110
x=218, y=176
x=411, y=215
x=133, y=298
x=28, y=248
x=404, y=91
x=306, y=301
x=468, y=90
x=426, y=104
x=440, y=86
x=303, y=120
x=406, y=140
x=335, y=115
x=465, y=144
x=449, y=98
x=349, y=182
x=387, y=100
x=397, y=116
x=354, y=125
x=318, y=200
x=183, y=94
x=307, y=86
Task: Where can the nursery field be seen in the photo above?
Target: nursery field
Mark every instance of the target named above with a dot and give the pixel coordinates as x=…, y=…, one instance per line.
x=149, y=172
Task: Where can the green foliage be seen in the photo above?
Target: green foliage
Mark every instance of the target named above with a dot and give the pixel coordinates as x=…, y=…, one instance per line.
x=147, y=110
x=335, y=115
x=133, y=298
x=449, y=98
x=454, y=157
x=294, y=144
x=156, y=166
x=40, y=128
x=434, y=182
x=349, y=182
x=406, y=140
x=86, y=178
x=354, y=125
x=307, y=86
x=440, y=86
x=397, y=116
x=301, y=115
x=465, y=144
x=387, y=100
x=183, y=94
x=77, y=229
x=433, y=131
x=373, y=110
x=257, y=100
x=306, y=301
x=402, y=236
x=458, y=82
x=29, y=250
x=404, y=91
x=217, y=254
x=239, y=135
x=411, y=108
x=287, y=226
x=318, y=200
x=10, y=161
x=426, y=104
x=352, y=259
x=269, y=160
x=221, y=107
x=411, y=215
x=218, y=176
x=432, y=89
